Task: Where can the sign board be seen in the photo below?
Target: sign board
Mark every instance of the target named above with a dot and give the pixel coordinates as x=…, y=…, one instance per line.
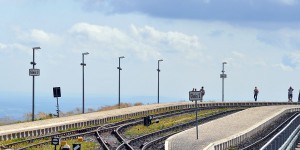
x=195, y=95
x=223, y=75
x=34, y=72
x=56, y=92
x=76, y=146
x=55, y=141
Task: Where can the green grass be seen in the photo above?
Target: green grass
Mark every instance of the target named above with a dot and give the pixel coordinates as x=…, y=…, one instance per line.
x=140, y=129
x=22, y=144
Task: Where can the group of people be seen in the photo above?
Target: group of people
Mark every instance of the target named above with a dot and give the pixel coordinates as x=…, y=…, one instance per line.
x=290, y=94
x=202, y=91
x=256, y=91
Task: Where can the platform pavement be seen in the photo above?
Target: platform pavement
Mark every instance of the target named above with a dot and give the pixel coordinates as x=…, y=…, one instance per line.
x=13, y=128
x=227, y=128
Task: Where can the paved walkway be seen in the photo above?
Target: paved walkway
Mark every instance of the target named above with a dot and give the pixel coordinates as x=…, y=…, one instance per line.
x=224, y=129
x=82, y=117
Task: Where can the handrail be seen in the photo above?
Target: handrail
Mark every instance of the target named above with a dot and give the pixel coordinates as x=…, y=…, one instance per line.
x=283, y=138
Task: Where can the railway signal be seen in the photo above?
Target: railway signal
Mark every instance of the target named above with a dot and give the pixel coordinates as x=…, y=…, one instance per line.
x=55, y=141
x=56, y=94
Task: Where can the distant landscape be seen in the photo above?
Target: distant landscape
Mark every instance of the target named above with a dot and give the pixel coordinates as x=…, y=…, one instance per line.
x=42, y=115
x=14, y=109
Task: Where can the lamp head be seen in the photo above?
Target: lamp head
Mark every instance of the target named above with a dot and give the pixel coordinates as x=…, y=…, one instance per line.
x=122, y=57
x=86, y=53
x=224, y=62
x=161, y=60
x=36, y=48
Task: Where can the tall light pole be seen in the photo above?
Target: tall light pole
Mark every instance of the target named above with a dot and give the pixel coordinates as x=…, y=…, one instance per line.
x=158, y=80
x=120, y=78
x=223, y=76
x=83, y=64
x=33, y=72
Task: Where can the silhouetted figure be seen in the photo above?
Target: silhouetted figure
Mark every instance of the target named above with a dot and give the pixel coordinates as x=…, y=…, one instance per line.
x=290, y=94
x=299, y=96
x=255, y=93
x=202, y=92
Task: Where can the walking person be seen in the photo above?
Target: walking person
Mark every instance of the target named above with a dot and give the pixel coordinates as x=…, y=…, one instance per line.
x=255, y=93
x=290, y=94
x=202, y=92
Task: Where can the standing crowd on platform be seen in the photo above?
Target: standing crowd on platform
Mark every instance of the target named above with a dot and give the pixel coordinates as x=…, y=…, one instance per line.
x=256, y=91
x=290, y=94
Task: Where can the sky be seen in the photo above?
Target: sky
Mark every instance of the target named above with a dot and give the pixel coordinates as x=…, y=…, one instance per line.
x=259, y=40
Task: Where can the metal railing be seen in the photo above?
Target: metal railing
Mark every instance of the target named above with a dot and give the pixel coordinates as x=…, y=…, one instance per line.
x=286, y=138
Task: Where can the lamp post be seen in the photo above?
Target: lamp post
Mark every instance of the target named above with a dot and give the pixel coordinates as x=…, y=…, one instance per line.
x=158, y=70
x=83, y=64
x=120, y=78
x=223, y=76
x=33, y=72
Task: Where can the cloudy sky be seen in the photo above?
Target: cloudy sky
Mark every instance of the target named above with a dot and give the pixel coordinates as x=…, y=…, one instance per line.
x=259, y=40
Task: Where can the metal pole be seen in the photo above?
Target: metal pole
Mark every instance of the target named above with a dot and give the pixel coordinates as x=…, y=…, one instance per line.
x=33, y=63
x=158, y=83
x=83, y=83
x=196, y=118
x=119, y=81
x=223, y=84
x=57, y=107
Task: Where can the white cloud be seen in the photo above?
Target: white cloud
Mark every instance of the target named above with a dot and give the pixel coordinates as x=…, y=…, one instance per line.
x=238, y=54
x=286, y=38
x=2, y=46
x=39, y=36
x=143, y=42
x=283, y=67
x=14, y=48
x=173, y=42
x=288, y=2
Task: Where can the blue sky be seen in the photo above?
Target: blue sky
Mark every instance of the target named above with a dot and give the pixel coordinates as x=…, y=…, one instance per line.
x=260, y=40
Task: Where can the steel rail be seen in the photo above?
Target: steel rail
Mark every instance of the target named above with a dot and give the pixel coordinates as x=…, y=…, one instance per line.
x=270, y=134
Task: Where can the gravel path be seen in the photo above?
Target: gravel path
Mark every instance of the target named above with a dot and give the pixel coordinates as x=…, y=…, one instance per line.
x=224, y=128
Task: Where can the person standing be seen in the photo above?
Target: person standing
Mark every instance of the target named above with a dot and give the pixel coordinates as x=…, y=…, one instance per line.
x=290, y=94
x=255, y=93
x=299, y=97
x=202, y=92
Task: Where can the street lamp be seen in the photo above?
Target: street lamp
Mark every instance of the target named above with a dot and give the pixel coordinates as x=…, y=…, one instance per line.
x=119, y=77
x=158, y=70
x=33, y=72
x=83, y=64
x=223, y=76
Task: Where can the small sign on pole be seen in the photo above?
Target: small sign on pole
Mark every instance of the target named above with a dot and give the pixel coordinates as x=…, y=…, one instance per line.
x=223, y=75
x=55, y=141
x=76, y=146
x=196, y=96
x=34, y=72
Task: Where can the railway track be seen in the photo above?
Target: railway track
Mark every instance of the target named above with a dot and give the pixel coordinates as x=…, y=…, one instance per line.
x=107, y=135
x=153, y=138
x=46, y=139
x=159, y=136
x=262, y=139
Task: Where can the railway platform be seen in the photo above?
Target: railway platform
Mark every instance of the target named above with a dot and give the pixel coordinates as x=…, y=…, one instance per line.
x=229, y=130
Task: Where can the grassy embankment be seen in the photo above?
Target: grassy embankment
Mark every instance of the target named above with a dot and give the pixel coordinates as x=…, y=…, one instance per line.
x=171, y=121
